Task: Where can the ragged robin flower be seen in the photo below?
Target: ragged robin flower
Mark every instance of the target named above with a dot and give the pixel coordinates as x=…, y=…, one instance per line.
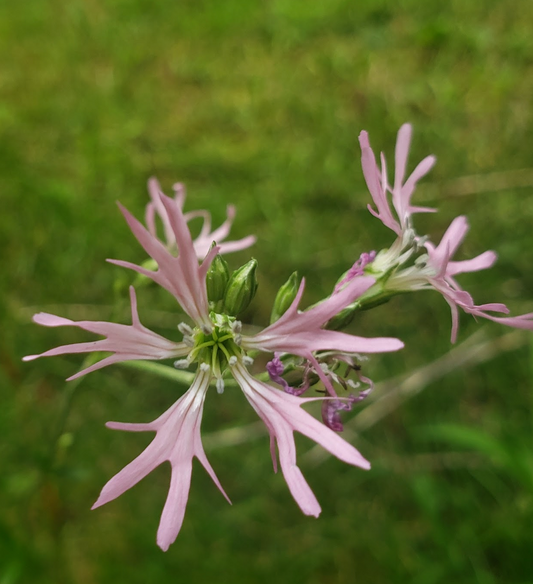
x=216, y=345
x=412, y=262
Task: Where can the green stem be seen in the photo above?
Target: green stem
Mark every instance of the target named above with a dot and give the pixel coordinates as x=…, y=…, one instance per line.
x=182, y=377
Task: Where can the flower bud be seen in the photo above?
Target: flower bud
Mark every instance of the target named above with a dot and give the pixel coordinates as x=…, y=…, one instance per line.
x=284, y=298
x=241, y=289
x=217, y=279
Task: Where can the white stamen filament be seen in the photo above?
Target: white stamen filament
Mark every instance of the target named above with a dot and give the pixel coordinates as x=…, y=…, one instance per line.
x=181, y=364
x=185, y=329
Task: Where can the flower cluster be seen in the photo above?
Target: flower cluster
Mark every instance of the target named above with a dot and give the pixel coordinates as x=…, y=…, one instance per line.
x=306, y=347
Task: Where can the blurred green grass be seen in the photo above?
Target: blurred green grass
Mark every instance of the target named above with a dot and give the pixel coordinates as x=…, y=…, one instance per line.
x=260, y=105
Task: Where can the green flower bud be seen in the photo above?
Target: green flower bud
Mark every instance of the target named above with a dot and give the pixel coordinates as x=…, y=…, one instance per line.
x=284, y=298
x=241, y=289
x=217, y=279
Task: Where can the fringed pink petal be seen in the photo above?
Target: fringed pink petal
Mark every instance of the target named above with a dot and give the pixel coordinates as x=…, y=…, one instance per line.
x=298, y=486
x=111, y=360
x=417, y=209
x=222, y=232
x=175, y=505
x=304, y=423
x=151, y=245
x=130, y=427
x=45, y=319
x=408, y=188
x=193, y=284
x=453, y=237
x=480, y=262
x=237, y=245
x=200, y=455
x=212, y=252
x=283, y=415
x=322, y=312
x=293, y=321
x=131, y=474
x=300, y=332
x=273, y=452
x=180, y=194
x=154, y=190
x=206, y=225
x=179, y=275
x=177, y=440
x=127, y=342
x=377, y=190
x=401, y=192
x=524, y=321
x=403, y=142
x=493, y=307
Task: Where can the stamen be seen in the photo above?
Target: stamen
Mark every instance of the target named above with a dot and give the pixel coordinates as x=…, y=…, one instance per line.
x=420, y=242
x=185, y=329
x=232, y=360
x=181, y=363
x=207, y=330
x=238, y=339
x=220, y=385
x=204, y=367
x=236, y=326
x=247, y=360
x=409, y=237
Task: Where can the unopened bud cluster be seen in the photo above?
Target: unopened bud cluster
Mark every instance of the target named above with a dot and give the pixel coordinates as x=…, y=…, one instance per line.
x=231, y=294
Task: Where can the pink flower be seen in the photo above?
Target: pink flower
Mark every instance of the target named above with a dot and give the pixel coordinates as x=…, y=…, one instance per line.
x=203, y=242
x=432, y=271
x=379, y=187
x=216, y=344
x=441, y=271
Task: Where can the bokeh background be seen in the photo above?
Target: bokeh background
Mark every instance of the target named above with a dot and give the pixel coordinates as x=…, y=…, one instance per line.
x=260, y=104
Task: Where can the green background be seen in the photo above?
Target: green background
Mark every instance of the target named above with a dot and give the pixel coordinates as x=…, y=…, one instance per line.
x=260, y=104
